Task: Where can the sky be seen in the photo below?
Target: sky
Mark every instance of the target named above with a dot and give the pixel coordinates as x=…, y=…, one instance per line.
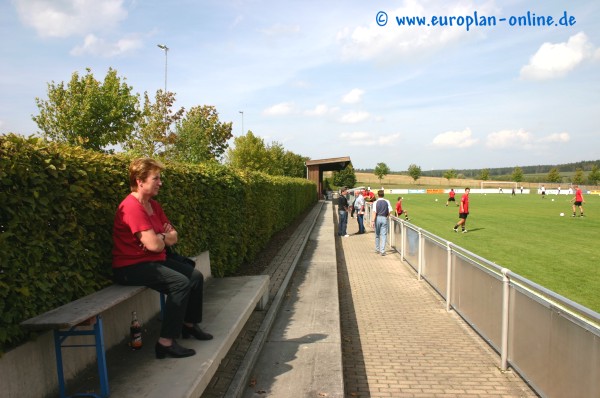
x=468, y=88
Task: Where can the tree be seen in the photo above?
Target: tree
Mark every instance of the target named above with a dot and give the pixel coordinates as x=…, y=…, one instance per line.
x=594, y=175
x=152, y=136
x=345, y=177
x=87, y=112
x=200, y=136
x=578, y=177
x=450, y=174
x=485, y=174
x=249, y=152
x=414, y=171
x=294, y=165
x=381, y=170
x=553, y=175
x=517, y=174
x=276, y=153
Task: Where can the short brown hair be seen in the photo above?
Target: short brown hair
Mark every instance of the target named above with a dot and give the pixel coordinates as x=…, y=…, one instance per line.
x=140, y=168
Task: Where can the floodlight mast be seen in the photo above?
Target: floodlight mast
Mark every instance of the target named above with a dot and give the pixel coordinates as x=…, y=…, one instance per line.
x=165, y=49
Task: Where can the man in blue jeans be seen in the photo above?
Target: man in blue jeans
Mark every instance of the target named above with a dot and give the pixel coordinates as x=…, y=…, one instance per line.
x=343, y=213
x=379, y=220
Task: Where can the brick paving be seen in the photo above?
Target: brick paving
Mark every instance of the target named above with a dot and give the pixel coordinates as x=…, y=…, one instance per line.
x=398, y=338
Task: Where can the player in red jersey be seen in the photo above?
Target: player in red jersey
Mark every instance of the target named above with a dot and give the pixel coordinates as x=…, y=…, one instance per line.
x=399, y=210
x=451, y=195
x=578, y=201
x=463, y=211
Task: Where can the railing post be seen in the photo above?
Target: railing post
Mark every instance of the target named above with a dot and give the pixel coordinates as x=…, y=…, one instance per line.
x=505, y=309
x=448, y=276
x=402, y=239
x=420, y=266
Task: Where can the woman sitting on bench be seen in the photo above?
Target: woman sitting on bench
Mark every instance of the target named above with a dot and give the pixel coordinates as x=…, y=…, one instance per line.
x=141, y=234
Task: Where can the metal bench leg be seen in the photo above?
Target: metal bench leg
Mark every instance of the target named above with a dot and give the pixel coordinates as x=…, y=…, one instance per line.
x=101, y=357
x=97, y=332
x=59, y=364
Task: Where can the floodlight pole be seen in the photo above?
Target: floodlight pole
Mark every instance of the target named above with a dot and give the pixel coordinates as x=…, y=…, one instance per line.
x=166, y=50
x=242, y=112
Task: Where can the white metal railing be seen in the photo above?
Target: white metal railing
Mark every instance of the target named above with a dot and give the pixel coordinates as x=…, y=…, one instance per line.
x=551, y=341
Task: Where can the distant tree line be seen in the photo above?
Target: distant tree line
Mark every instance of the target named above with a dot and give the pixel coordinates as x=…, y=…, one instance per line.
x=571, y=173
x=585, y=165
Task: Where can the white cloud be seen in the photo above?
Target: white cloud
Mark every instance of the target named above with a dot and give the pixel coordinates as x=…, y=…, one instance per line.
x=353, y=97
x=354, y=117
x=360, y=138
x=509, y=138
x=320, y=110
x=556, y=137
x=100, y=47
x=455, y=139
x=284, y=108
x=66, y=18
x=393, y=41
x=556, y=60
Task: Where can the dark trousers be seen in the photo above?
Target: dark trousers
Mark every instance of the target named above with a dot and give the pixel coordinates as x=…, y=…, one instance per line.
x=179, y=280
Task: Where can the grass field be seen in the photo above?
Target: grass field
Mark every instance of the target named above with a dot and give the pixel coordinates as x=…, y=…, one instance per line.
x=525, y=234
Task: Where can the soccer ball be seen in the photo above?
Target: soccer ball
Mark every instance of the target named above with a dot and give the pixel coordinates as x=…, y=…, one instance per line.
x=436, y=200
x=553, y=200
x=562, y=214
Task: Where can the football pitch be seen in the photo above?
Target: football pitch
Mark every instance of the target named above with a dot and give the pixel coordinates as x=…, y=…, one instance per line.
x=525, y=234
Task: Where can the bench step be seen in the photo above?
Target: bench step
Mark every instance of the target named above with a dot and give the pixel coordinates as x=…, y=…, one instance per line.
x=228, y=304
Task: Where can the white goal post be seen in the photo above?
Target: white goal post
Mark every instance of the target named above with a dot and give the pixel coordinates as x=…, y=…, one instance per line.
x=498, y=184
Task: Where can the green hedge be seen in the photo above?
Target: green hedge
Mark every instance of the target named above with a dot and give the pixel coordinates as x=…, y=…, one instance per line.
x=57, y=209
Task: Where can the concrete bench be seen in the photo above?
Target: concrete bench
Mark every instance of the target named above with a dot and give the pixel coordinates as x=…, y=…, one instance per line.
x=228, y=303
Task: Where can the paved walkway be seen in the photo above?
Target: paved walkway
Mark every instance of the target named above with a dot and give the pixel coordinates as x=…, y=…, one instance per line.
x=398, y=339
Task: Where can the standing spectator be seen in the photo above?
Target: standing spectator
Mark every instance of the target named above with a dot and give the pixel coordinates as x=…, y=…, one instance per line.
x=543, y=192
x=343, y=213
x=380, y=216
x=451, y=196
x=558, y=191
x=578, y=201
x=359, y=207
x=141, y=234
x=463, y=211
x=399, y=210
x=513, y=192
x=521, y=189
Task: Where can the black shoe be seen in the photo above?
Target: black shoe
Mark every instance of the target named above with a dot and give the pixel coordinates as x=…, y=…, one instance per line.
x=174, y=350
x=195, y=331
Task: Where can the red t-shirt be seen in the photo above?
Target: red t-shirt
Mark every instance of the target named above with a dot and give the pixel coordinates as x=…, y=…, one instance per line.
x=398, y=207
x=131, y=218
x=464, y=204
x=578, y=195
x=451, y=194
